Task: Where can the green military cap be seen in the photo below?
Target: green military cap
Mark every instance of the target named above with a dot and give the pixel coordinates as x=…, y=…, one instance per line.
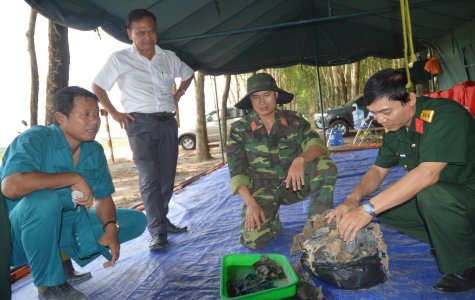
x=263, y=82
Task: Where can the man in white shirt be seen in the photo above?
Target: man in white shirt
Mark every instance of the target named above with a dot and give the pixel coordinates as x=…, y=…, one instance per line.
x=145, y=74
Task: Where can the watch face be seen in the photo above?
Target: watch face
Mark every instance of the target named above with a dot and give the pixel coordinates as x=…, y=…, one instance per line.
x=369, y=208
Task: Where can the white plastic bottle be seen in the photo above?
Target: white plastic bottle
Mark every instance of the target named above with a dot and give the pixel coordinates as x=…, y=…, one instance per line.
x=358, y=116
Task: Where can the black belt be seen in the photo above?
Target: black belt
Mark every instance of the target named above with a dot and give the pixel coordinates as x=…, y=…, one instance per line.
x=161, y=116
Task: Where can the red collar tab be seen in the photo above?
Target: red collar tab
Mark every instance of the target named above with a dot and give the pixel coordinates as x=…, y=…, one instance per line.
x=283, y=121
x=253, y=126
x=419, y=126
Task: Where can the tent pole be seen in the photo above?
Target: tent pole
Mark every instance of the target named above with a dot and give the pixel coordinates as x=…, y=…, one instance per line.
x=432, y=77
x=219, y=118
x=317, y=70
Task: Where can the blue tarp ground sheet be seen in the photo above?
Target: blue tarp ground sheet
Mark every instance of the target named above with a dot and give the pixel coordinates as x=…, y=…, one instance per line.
x=189, y=268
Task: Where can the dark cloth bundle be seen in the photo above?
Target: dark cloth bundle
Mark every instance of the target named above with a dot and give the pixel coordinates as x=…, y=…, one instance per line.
x=362, y=263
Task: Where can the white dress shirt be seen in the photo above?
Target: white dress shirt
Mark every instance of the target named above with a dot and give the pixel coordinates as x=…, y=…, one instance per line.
x=146, y=85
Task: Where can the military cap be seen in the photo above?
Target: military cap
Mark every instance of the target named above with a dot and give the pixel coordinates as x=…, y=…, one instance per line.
x=263, y=82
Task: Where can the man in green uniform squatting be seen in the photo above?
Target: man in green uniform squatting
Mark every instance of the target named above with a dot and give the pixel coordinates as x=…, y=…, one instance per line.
x=49, y=175
x=275, y=158
x=434, y=139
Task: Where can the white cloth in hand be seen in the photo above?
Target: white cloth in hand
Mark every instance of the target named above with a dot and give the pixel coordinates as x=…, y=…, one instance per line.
x=76, y=195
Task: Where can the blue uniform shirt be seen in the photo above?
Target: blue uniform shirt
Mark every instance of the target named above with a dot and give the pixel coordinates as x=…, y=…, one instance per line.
x=45, y=149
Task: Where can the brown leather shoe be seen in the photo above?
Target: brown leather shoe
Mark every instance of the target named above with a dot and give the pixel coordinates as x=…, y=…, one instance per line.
x=456, y=282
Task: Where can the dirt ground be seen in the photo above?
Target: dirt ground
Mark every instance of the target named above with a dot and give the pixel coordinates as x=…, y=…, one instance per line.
x=125, y=177
x=124, y=172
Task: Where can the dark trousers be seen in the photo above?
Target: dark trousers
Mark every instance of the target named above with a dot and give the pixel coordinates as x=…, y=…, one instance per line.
x=153, y=139
x=444, y=216
x=5, y=290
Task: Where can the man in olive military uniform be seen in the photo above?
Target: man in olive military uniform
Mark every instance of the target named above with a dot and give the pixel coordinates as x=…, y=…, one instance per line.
x=434, y=139
x=275, y=158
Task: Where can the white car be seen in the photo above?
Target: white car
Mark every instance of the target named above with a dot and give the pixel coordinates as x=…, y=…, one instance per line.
x=187, y=135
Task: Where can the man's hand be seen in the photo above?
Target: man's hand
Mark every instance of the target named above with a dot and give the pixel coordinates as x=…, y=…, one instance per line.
x=255, y=216
x=123, y=119
x=87, y=198
x=295, y=176
x=352, y=222
x=340, y=211
x=109, y=239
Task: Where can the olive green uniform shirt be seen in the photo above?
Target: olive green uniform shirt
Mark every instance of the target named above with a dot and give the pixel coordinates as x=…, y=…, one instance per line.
x=442, y=214
x=448, y=136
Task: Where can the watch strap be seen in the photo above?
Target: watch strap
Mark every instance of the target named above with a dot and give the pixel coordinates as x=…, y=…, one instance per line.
x=369, y=209
x=110, y=222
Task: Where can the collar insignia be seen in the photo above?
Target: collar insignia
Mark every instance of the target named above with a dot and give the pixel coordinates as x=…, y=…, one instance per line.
x=283, y=121
x=419, y=126
x=253, y=126
x=427, y=115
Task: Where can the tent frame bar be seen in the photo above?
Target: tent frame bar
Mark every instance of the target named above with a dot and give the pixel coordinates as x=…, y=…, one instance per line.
x=330, y=18
x=280, y=25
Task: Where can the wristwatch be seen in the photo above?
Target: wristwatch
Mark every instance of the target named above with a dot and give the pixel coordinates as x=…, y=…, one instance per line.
x=369, y=209
x=111, y=222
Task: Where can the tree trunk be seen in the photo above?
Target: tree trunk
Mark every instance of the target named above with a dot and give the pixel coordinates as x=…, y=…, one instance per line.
x=58, y=66
x=342, y=81
x=380, y=64
x=238, y=88
x=224, y=109
x=35, y=86
x=202, y=146
x=336, y=90
x=355, y=79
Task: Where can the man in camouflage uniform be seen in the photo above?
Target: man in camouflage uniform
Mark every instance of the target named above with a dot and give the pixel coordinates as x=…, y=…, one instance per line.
x=275, y=158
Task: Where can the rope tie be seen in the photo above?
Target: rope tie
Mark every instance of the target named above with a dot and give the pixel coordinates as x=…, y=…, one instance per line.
x=409, y=55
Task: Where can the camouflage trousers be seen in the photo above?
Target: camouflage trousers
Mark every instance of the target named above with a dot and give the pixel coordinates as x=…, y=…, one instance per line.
x=320, y=178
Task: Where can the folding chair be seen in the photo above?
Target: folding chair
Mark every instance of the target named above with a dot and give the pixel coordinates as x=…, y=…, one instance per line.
x=364, y=131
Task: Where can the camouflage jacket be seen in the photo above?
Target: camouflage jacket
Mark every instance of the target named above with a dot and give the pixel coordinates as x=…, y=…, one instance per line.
x=255, y=155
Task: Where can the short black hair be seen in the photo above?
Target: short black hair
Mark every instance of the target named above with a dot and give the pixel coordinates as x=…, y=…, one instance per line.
x=138, y=14
x=63, y=99
x=389, y=83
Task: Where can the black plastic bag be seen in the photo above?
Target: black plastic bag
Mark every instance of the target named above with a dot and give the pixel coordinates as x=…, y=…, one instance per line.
x=364, y=273
x=355, y=264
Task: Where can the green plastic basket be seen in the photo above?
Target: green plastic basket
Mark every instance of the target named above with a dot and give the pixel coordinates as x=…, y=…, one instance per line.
x=237, y=266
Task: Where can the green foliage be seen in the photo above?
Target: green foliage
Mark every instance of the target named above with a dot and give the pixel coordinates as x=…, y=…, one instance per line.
x=301, y=80
x=371, y=65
